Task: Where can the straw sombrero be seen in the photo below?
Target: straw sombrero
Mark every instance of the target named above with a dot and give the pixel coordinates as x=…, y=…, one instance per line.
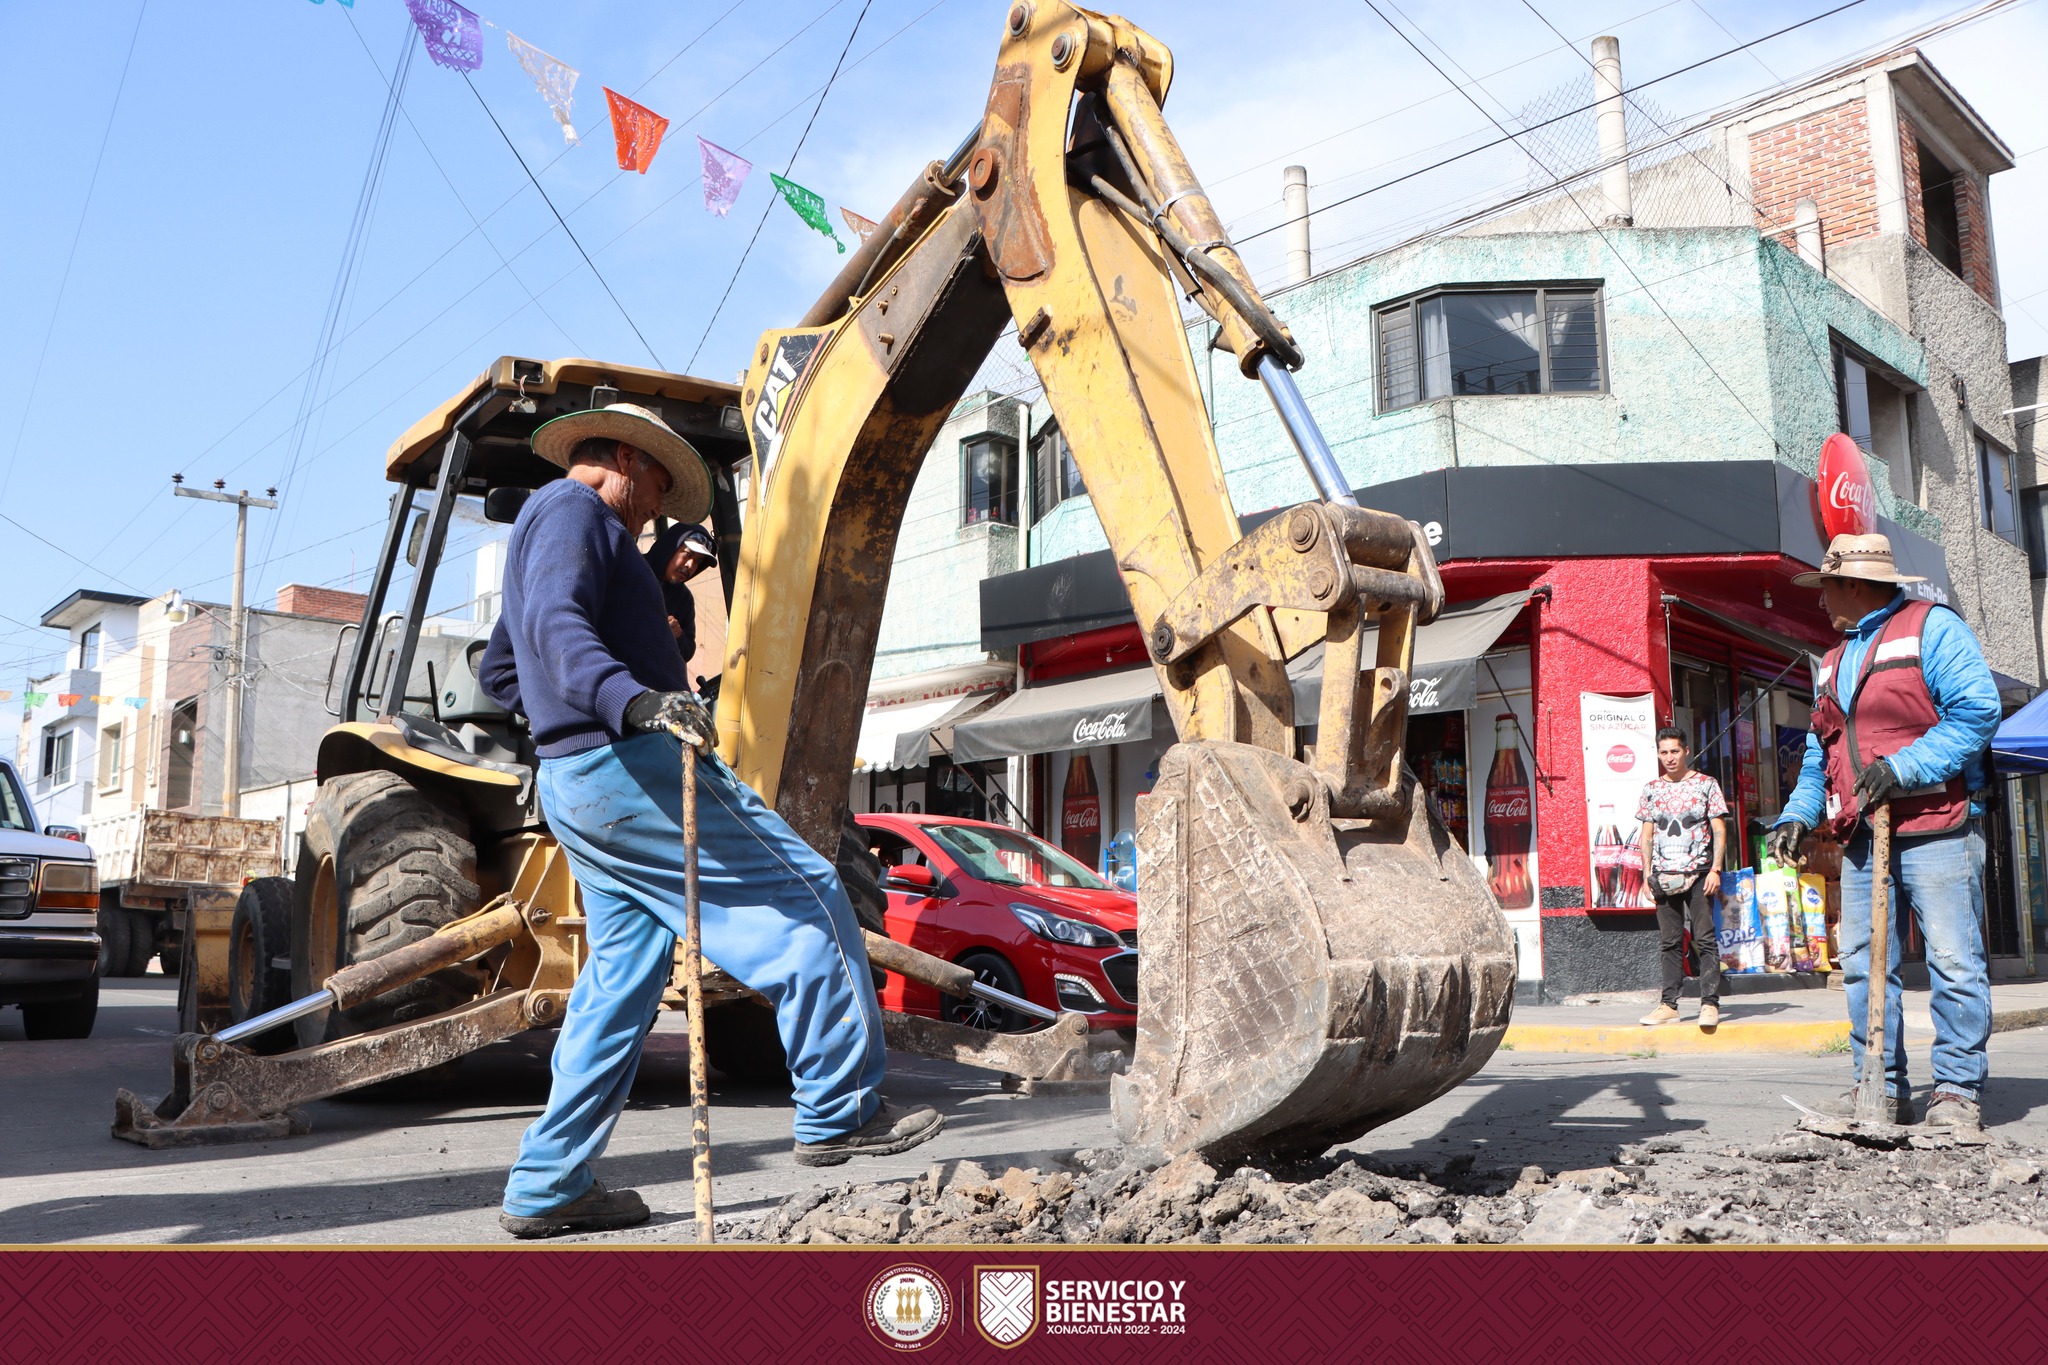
x=1865, y=558
x=689, y=493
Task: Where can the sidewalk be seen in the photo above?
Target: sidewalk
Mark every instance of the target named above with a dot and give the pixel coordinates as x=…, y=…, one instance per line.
x=1802, y=1021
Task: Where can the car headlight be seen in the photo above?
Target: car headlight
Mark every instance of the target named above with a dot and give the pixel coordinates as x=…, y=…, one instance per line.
x=68, y=886
x=1060, y=929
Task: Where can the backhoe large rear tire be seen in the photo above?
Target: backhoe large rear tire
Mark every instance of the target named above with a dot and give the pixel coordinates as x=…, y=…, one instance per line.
x=382, y=864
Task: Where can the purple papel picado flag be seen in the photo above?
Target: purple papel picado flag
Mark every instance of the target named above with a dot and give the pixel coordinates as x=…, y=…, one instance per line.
x=724, y=173
x=452, y=34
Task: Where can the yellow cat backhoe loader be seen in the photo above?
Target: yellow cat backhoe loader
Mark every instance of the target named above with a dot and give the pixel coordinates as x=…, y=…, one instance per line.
x=1317, y=955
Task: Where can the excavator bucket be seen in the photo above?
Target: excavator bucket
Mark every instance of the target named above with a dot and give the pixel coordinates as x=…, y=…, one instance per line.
x=1305, y=979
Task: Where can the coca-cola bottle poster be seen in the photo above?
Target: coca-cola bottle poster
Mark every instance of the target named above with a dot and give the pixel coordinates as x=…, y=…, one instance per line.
x=1619, y=756
x=1081, y=811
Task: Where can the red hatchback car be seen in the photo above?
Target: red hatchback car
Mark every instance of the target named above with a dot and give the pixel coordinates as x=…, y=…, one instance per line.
x=1026, y=917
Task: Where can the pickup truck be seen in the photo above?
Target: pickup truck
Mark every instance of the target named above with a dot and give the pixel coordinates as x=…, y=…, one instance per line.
x=49, y=912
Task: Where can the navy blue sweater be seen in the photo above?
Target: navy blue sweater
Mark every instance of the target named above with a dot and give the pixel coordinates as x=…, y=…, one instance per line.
x=584, y=629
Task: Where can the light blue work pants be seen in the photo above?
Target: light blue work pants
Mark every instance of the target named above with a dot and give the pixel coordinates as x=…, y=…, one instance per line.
x=1943, y=876
x=774, y=916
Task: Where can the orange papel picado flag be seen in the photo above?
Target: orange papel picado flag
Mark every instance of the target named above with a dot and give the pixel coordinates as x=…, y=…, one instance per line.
x=638, y=129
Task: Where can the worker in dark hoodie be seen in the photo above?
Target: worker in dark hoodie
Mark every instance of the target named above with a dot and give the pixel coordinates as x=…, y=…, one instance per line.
x=585, y=651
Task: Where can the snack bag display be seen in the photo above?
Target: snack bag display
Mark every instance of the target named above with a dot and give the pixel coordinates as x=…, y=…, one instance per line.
x=1777, y=894
x=1813, y=906
x=1736, y=924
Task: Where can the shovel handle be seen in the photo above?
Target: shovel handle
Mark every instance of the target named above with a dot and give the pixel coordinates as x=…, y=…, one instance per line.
x=1870, y=1096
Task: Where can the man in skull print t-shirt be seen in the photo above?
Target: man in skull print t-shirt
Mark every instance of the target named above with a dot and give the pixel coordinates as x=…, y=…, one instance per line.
x=1685, y=828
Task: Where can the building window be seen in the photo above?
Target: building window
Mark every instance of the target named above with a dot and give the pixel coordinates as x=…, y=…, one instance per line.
x=989, y=469
x=1994, y=477
x=110, y=758
x=57, y=756
x=2034, y=529
x=183, y=753
x=1871, y=410
x=1054, y=475
x=89, y=648
x=1938, y=211
x=1479, y=342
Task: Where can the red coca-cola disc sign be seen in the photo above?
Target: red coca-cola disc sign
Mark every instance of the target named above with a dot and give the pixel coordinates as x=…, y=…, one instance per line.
x=1621, y=758
x=1843, y=496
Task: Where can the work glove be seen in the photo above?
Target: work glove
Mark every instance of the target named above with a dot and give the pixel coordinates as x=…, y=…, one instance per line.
x=675, y=713
x=1877, y=785
x=1785, y=840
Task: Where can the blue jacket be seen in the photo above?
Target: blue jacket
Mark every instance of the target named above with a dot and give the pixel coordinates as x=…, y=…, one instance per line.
x=584, y=629
x=1964, y=695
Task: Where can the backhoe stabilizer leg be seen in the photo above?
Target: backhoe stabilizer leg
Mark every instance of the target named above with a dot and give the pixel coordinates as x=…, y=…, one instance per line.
x=1304, y=979
x=221, y=1093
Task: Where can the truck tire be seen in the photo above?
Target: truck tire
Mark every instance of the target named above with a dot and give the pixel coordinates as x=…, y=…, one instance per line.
x=141, y=941
x=44, y=1020
x=741, y=1043
x=259, y=935
x=382, y=864
x=114, y=941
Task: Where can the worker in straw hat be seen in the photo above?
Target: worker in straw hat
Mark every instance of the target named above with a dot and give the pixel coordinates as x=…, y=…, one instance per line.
x=583, y=649
x=1903, y=712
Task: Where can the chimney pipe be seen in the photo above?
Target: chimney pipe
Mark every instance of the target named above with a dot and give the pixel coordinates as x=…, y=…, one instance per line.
x=1806, y=234
x=1294, y=191
x=1613, y=132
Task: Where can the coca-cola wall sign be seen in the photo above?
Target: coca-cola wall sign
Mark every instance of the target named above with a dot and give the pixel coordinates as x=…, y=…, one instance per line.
x=1619, y=752
x=1844, y=498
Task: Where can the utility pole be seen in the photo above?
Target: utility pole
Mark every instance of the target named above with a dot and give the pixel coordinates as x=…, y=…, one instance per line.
x=231, y=732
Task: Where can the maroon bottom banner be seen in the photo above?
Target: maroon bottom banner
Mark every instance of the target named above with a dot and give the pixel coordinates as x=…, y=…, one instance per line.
x=1022, y=1303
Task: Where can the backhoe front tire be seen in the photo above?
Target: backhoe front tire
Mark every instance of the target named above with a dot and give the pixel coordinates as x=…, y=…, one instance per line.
x=382, y=864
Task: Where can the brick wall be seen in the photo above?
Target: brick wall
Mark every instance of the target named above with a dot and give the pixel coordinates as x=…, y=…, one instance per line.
x=1973, y=235
x=1824, y=156
x=326, y=603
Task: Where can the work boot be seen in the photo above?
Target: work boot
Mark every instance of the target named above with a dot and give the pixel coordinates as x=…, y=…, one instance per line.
x=595, y=1210
x=1663, y=1014
x=1843, y=1106
x=1954, y=1112
x=1710, y=1017
x=891, y=1130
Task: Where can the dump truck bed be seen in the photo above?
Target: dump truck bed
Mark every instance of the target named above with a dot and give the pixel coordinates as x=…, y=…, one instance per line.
x=181, y=851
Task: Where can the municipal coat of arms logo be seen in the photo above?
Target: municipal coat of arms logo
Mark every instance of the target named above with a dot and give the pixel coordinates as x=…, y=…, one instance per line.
x=907, y=1307
x=1006, y=1303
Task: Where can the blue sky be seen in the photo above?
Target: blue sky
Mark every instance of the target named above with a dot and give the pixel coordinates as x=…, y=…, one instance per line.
x=200, y=269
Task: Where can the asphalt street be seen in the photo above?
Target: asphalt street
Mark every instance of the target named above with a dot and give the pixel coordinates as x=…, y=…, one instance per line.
x=425, y=1163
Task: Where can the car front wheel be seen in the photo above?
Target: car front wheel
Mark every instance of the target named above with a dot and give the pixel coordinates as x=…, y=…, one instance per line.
x=990, y=969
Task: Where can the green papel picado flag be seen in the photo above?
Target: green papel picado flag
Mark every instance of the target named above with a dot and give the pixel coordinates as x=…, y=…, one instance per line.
x=808, y=206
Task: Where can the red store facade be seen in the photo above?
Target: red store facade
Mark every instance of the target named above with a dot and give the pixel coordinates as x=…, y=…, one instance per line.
x=1665, y=587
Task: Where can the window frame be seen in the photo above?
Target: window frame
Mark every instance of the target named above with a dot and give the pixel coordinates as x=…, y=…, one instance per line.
x=60, y=752
x=1411, y=303
x=2017, y=536
x=1048, y=435
x=967, y=444
x=90, y=641
x=112, y=745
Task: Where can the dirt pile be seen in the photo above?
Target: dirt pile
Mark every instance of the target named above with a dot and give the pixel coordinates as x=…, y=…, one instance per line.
x=1803, y=1187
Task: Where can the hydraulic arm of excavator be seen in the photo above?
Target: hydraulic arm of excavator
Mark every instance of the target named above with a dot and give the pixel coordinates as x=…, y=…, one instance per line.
x=1318, y=955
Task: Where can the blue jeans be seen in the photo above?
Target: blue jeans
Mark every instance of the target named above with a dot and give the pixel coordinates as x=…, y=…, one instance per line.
x=1943, y=875
x=774, y=915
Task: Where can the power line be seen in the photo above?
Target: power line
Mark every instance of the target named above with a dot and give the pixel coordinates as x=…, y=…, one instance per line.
x=64, y=280
x=788, y=169
x=509, y=146
x=1508, y=137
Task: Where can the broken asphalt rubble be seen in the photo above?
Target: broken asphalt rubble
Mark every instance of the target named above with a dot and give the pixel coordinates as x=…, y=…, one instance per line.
x=1804, y=1187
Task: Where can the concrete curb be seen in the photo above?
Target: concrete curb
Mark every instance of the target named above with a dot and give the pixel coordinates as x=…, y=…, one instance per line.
x=1734, y=1036
x=1680, y=1037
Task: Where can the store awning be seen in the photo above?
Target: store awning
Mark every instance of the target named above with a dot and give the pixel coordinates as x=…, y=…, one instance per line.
x=915, y=748
x=2020, y=744
x=896, y=736
x=1107, y=709
x=1446, y=672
